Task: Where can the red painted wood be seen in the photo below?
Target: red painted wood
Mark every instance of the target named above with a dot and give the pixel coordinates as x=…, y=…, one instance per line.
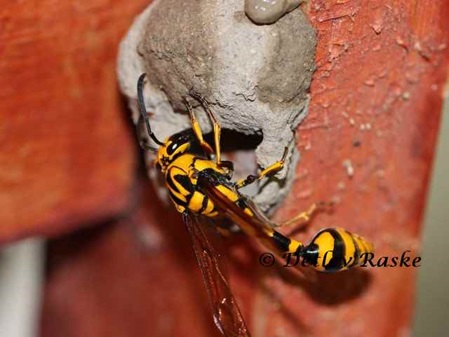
x=66, y=154
x=376, y=102
x=126, y=278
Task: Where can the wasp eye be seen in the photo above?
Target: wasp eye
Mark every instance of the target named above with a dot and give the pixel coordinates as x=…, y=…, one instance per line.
x=172, y=148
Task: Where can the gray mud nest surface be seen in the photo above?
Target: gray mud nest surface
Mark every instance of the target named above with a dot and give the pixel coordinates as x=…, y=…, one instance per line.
x=254, y=77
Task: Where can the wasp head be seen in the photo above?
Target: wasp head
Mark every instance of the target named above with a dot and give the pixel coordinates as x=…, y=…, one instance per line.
x=172, y=148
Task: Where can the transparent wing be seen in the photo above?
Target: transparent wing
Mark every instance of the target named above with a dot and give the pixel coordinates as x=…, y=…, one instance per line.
x=226, y=313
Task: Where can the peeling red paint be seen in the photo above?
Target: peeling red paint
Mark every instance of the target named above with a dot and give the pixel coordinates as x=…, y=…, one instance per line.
x=377, y=96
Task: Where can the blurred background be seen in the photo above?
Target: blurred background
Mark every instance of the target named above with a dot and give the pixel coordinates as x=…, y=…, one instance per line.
x=432, y=293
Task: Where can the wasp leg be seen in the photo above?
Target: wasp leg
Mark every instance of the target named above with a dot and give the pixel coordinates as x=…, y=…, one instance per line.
x=216, y=125
x=196, y=129
x=273, y=168
x=303, y=218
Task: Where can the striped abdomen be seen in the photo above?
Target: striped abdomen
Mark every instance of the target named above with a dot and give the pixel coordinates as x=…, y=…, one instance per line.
x=335, y=249
x=331, y=250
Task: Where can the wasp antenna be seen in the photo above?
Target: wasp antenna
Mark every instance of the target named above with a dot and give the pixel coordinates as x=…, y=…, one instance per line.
x=146, y=147
x=143, y=109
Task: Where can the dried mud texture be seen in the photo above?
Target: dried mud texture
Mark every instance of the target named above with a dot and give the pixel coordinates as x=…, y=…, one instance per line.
x=256, y=78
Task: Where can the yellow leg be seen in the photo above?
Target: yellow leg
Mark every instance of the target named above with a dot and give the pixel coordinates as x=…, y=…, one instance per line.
x=197, y=130
x=304, y=217
x=216, y=125
x=276, y=167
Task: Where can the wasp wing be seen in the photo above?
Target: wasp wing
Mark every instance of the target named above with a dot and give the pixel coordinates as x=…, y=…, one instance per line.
x=226, y=313
x=254, y=225
x=257, y=225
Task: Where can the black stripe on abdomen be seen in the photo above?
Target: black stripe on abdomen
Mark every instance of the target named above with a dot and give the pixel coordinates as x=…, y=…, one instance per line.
x=338, y=252
x=356, y=251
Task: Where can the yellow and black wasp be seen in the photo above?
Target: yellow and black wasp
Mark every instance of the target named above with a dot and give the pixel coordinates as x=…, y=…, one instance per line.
x=202, y=187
